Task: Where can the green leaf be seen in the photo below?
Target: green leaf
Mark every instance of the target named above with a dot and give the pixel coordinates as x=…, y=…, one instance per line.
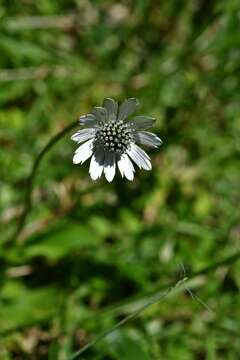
x=23, y=307
x=128, y=346
x=61, y=241
x=21, y=49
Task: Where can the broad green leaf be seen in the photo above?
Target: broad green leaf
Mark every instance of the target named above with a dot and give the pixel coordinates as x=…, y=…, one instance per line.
x=128, y=346
x=61, y=241
x=22, y=307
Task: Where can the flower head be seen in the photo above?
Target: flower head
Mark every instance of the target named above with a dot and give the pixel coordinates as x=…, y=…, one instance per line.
x=110, y=139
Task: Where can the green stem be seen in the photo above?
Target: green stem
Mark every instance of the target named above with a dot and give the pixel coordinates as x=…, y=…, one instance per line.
x=155, y=297
x=131, y=316
x=30, y=182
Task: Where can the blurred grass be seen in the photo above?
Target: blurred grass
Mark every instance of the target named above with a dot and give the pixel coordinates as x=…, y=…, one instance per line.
x=87, y=251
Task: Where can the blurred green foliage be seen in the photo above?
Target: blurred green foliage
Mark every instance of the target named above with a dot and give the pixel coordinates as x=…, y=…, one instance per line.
x=87, y=252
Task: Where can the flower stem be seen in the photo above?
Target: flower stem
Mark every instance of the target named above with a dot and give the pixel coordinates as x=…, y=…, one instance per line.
x=30, y=183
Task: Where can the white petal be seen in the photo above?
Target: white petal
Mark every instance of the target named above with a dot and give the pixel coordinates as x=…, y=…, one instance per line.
x=142, y=122
x=96, y=164
x=141, y=151
x=83, y=152
x=139, y=157
x=88, y=120
x=100, y=113
x=147, y=138
x=128, y=107
x=125, y=167
x=84, y=134
x=112, y=107
x=109, y=166
x=135, y=157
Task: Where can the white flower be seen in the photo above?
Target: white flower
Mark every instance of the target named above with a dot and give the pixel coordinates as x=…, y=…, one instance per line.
x=112, y=140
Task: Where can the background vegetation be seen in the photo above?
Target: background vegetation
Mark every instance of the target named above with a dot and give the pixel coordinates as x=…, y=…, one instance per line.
x=90, y=253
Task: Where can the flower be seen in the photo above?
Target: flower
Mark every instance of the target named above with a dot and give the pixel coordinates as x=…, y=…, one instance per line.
x=111, y=140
